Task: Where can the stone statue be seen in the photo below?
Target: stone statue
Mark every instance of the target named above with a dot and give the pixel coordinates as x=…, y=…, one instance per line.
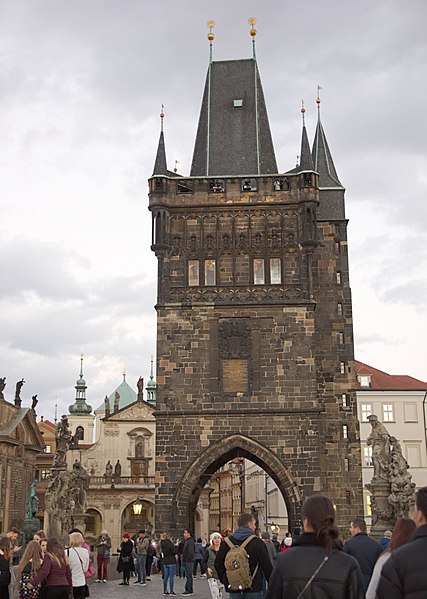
x=2, y=386
x=34, y=402
x=116, y=401
x=118, y=469
x=140, y=387
x=63, y=439
x=18, y=399
x=32, y=502
x=79, y=486
x=379, y=439
x=108, y=470
x=107, y=406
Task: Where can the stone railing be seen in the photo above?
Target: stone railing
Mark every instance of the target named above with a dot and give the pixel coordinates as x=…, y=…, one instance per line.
x=120, y=481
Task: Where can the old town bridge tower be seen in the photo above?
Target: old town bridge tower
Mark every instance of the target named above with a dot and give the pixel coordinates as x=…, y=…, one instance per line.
x=254, y=315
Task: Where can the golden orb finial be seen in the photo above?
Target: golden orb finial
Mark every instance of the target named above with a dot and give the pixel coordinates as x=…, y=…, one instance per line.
x=162, y=112
x=211, y=35
x=302, y=107
x=318, y=95
x=252, y=31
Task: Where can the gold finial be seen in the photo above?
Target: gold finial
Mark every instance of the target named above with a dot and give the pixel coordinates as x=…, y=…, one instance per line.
x=162, y=112
x=252, y=22
x=211, y=35
x=303, y=112
x=318, y=95
x=175, y=170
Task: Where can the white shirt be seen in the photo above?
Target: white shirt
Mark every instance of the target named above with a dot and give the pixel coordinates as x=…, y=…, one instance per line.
x=78, y=568
x=371, y=591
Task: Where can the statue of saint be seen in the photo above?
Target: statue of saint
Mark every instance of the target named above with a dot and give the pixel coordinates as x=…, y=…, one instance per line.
x=118, y=469
x=2, y=386
x=116, y=401
x=63, y=439
x=80, y=482
x=379, y=439
x=108, y=469
x=107, y=406
x=32, y=502
x=140, y=386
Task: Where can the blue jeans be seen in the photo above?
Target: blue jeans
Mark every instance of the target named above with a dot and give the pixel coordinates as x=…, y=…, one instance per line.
x=188, y=569
x=142, y=560
x=169, y=571
x=242, y=595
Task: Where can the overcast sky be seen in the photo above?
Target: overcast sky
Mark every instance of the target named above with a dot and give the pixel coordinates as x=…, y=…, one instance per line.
x=81, y=86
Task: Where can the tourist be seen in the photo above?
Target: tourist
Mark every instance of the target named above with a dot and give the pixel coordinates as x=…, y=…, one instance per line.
x=363, y=548
x=43, y=547
x=142, y=545
x=29, y=566
x=39, y=535
x=287, y=544
x=276, y=543
x=169, y=552
x=13, y=535
x=215, y=585
x=198, y=555
x=316, y=563
x=401, y=535
x=188, y=553
x=55, y=571
x=125, y=564
x=91, y=571
x=5, y=576
x=405, y=572
x=259, y=562
x=103, y=545
x=180, y=567
x=385, y=540
x=78, y=560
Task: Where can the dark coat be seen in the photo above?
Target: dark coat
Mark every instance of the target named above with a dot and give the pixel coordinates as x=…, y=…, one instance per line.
x=366, y=551
x=404, y=575
x=339, y=577
x=169, y=551
x=258, y=555
x=126, y=550
x=189, y=550
x=4, y=572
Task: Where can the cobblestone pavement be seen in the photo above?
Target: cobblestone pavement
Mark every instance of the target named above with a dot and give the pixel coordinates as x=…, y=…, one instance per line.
x=153, y=590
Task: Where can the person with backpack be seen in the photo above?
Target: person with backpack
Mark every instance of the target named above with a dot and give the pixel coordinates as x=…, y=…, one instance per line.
x=242, y=560
x=78, y=560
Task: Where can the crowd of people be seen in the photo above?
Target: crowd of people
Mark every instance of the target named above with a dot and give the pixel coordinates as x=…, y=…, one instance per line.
x=312, y=563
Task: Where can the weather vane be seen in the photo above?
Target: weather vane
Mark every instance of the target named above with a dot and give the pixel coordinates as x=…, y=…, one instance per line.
x=211, y=37
x=252, y=32
x=162, y=116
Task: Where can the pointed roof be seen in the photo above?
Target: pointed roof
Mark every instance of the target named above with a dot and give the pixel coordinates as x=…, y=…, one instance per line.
x=160, y=165
x=233, y=135
x=322, y=159
x=127, y=396
x=382, y=380
x=80, y=407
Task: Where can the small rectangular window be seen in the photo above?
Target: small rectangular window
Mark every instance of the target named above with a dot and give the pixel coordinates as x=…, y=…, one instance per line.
x=193, y=273
x=259, y=276
x=341, y=338
x=339, y=309
x=275, y=271
x=342, y=367
x=344, y=431
x=388, y=412
x=337, y=247
x=339, y=281
x=368, y=505
x=344, y=401
x=47, y=449
x=366, y=410
x=346, y=465
x=210, y=272
x=367, y=456
x=364, y=380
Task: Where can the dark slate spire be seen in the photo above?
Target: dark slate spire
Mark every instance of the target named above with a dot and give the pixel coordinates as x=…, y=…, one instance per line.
x=306, y=161
x=322, y=157
x=331, y=191
x=233, y=135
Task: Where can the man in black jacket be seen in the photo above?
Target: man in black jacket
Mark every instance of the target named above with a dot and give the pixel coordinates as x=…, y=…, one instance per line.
x=258, y=559
x=363, y=548
x=404, y=575
x=188, y=553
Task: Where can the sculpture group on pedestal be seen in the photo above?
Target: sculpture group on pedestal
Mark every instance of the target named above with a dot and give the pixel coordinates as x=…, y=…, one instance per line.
x=392, y=492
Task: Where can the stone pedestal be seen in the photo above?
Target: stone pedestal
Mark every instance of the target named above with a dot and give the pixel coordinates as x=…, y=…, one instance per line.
x=382, y=513
x=30, y=526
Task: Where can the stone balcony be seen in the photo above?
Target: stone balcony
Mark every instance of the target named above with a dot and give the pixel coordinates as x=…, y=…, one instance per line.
x=121, y=482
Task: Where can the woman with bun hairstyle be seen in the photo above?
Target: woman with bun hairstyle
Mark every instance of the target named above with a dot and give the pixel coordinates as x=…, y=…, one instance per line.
x=316, y=565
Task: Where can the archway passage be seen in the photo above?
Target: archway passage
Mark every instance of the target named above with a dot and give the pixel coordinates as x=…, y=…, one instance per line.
x=197, y=476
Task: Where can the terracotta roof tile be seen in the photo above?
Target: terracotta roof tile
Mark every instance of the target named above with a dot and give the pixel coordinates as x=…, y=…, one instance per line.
x=383, y=380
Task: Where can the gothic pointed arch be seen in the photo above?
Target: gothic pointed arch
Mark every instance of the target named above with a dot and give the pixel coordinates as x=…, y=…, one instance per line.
x=216, y=455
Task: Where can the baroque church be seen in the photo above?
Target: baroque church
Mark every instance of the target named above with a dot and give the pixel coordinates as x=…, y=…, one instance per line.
x=255, y=353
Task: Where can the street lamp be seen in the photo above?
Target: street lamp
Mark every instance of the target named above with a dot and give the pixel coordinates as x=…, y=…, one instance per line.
x=137, y=507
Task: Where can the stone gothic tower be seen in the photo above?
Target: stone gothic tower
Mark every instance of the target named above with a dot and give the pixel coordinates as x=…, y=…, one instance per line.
x=254, y=315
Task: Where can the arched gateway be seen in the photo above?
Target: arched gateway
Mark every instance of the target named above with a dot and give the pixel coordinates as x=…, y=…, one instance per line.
x=209, y=461
x=254, y=318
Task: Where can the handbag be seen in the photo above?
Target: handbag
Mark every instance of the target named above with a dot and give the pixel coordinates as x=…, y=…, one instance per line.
x=325, y=559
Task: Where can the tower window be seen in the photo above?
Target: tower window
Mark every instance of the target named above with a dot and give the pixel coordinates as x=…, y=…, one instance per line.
x=237, y=103
x=342, y=367
x=259, y=275
x=249, y=185
x=366, y=410
x=275, y=271
x=344, y=431
x=193, y=273
x=388, y=412
x=339, y=279
x=80, y=433
x=346, y=465
x=337, y=247
x=339, y=309
x=344, y=400
x=341, y=338
x=210, y=278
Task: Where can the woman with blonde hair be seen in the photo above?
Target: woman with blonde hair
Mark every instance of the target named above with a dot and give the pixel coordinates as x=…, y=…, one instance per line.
x=78, y=560
x=55, y=571
x=29, y=566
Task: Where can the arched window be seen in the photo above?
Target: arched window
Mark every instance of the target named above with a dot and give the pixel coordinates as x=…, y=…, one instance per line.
x=80, y=433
